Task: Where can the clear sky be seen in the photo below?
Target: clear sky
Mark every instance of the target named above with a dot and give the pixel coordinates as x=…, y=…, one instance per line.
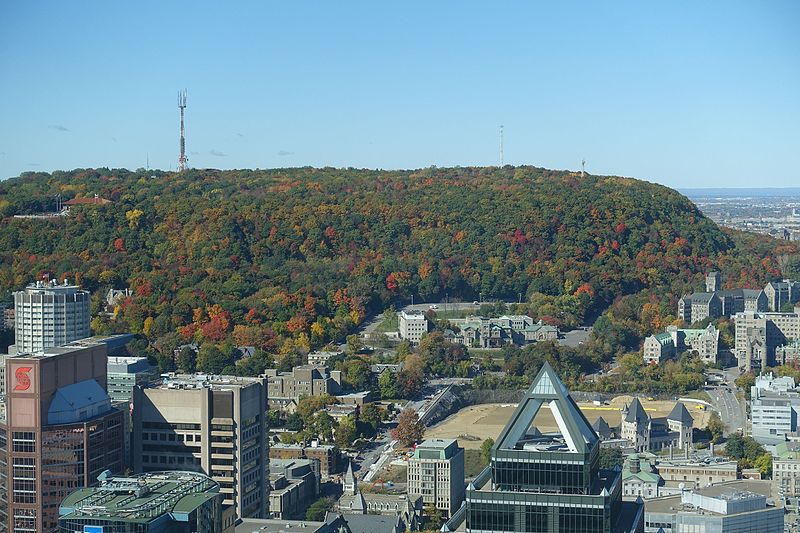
x=683, y=93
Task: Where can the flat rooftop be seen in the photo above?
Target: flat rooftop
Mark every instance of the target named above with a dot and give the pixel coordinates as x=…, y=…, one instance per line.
x=200, y=381
x=53, y=351
x=142, y=498
x=262, y=525
x=729, y=490
x=439, y=444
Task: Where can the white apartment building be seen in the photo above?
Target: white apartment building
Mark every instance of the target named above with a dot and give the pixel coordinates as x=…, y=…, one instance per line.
x=48, y=315
x=412, y=325
x=774, y=409
x=436, y=474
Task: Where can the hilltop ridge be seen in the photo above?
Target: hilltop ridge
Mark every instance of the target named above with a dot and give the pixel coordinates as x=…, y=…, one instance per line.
x=313, y=251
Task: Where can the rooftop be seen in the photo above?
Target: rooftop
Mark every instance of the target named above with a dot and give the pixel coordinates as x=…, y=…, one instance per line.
x=204, y=381
x=142, y=498
x=262, y=525
x=51, y=287
x=730, y=491
x=54, y=351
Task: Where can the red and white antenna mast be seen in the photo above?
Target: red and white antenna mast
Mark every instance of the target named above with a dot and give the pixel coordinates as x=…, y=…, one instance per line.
x=182, y=158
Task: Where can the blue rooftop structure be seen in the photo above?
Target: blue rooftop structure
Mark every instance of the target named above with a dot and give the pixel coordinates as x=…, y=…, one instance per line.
x=78, y=402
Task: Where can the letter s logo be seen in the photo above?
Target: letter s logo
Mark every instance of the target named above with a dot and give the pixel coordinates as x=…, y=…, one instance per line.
x=23, y=379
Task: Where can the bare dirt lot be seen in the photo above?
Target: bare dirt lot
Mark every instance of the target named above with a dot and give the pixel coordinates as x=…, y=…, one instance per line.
x=473, y=424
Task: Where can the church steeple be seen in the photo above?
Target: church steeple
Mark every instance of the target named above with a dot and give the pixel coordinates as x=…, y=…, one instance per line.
x=349, y=484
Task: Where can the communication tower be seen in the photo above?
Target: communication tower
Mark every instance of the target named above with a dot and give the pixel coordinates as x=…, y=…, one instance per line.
x=182, y=158
x=501, y=145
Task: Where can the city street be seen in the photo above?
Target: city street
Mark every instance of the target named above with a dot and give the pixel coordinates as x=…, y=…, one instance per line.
x=732, y=411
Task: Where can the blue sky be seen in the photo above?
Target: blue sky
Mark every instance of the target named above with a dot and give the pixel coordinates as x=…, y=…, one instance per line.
x=681, y=93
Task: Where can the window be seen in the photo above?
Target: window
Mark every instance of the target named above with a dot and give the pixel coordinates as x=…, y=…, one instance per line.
x=24, y=441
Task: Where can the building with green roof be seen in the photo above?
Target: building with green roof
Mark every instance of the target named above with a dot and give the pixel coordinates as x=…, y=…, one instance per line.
x=658, y=348
x=639, y=478
x=155, y=502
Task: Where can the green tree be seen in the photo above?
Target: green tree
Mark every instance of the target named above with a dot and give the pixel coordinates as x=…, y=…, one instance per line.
x=322, y=425
x=433, y=518
x=317, y=510
x=354, y=344
x=308, y=406
x=371, y=414
x=387, y=385
x=294, y=422
x=212, y=358
x=610, y=458
x=346, y=432
x=716, y=427
x=764, y=464
x=745, y=381
x=357, y=373
x=486, y=451
x=187, y=360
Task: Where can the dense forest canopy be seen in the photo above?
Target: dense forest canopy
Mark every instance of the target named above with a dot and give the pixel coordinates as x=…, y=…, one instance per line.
x=298, y=257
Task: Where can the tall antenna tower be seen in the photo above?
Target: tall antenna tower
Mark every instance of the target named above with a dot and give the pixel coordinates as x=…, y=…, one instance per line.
x=182, y=158
x=501, y=145
x=583, y=166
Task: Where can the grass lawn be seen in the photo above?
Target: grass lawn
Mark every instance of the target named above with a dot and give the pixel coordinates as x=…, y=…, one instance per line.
x=698, y=395
x=395, y=474
x=473, y=463
x=389, y=323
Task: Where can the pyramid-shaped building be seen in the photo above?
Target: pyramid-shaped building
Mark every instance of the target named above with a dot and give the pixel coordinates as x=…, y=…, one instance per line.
x=547, y=481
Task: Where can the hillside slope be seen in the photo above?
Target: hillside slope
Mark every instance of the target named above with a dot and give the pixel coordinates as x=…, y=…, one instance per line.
x=311, y=251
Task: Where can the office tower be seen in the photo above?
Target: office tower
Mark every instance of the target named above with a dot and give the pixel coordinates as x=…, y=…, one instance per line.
x=210, y=424
x=436, y=474
x=157, y=502
x=48, y=314
x=59, y=434
x=547, y=482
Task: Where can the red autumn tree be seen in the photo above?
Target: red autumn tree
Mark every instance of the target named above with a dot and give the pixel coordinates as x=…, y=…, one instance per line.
x=409, y=428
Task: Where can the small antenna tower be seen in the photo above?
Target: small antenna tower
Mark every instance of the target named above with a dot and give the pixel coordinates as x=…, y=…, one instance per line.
x=583, y=166
x=182, y=158
x=501, y=145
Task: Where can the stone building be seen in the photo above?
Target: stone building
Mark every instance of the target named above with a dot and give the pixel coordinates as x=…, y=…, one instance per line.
x=650, y=434
x=658, y=348
x=405, y=506
x=780, y=293
x=759, y=334
x=286, y=388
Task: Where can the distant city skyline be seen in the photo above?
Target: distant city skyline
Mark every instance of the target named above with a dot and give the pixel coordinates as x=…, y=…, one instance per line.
x=683, y=94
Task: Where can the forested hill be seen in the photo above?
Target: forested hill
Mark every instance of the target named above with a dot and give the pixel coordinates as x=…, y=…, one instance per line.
x=306, y=253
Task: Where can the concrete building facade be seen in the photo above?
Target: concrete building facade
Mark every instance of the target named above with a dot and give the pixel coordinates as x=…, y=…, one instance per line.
x=436, y=474
x=124, y=373
x=215, y=425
